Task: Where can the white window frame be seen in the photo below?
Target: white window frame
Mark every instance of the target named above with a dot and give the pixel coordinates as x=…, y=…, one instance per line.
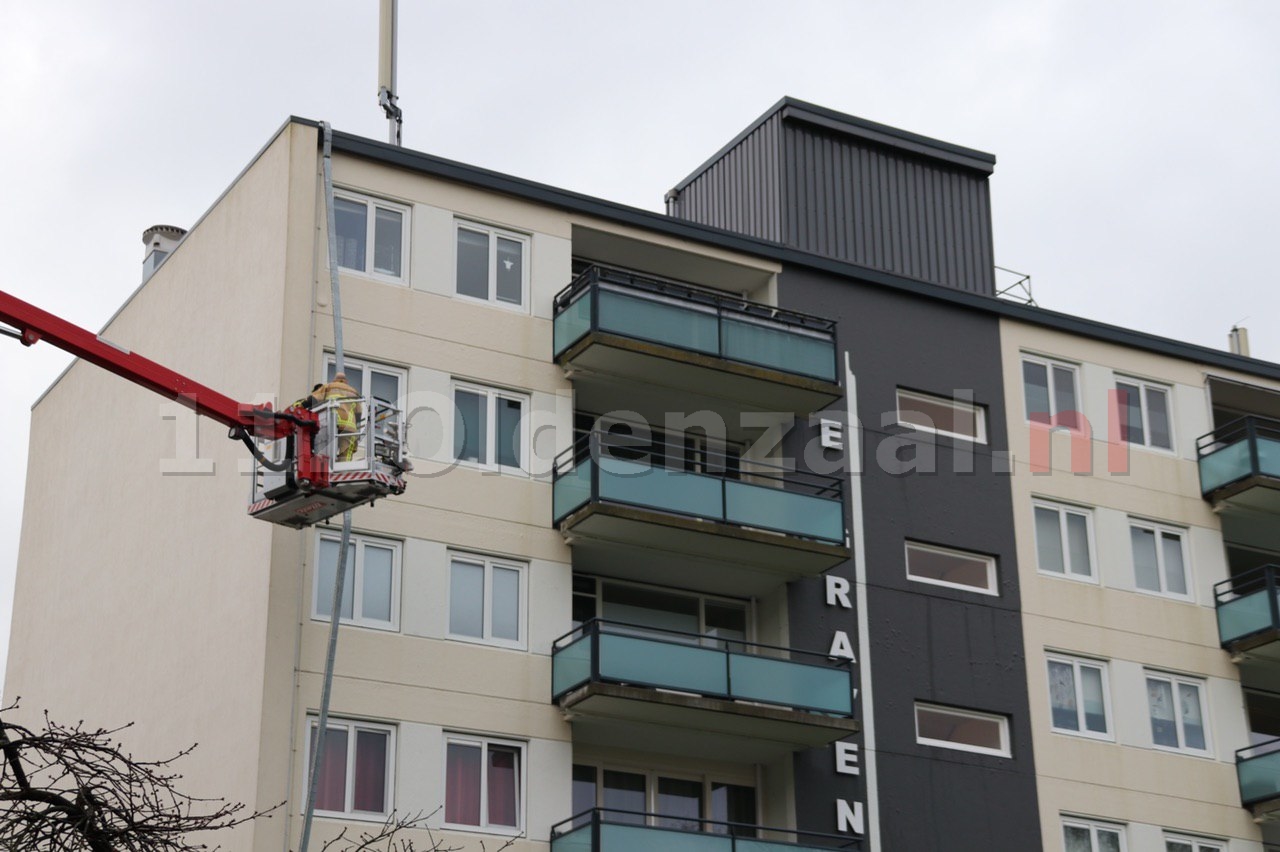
x=371, y=203
x=491, y=396
x=991, y=588
x=488, y=563
x=494, y=233
x=351, y=365
x=1003, y=722
x=1143, y=385
x=352, y=726
x=483, y=742
x=979, y=415
x=1161, y=530
x=1062, y=509
x=1174, y=680
x=1049, y=364
x=1197, y=844
x=1075, y=663
x=1094, y=826
x=358, y=542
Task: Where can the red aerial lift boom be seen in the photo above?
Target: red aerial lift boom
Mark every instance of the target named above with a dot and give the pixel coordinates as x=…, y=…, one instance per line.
x=306, y=469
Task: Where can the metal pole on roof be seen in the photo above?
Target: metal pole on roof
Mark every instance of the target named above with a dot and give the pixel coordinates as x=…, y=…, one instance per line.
x=340, y=572
x=388, y=21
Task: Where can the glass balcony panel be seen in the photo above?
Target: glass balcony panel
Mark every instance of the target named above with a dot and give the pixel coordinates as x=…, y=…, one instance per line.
x=1269, y=457
x=659, y=488
x=573, y=322
x=745, y=845
x=661, y=664
x=1225, y=465
x=1243, y=616
x=572, y=489
x=571, y=666
x=633, y=838
x=659, y=320
x=578, y=840
x=793, y=684
x=777, y=509
x=779, y=348
x=1259, y=777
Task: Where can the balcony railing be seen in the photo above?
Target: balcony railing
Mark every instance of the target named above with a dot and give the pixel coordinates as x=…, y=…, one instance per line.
x=612, y=830
x=632, y=654
x=622, y=303
x=1248, y=604
x=600, y=467
x=1258, y=770
x=1246, y=447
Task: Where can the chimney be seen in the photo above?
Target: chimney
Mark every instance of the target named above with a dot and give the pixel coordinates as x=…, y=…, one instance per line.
x=159, y=240
x=1238, y=340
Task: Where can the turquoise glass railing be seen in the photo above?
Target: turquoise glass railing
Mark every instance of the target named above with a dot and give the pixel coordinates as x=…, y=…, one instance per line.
x=1258, y=770
x=1248, y=603
x=615, y=652
x=1248, y=446
x=720, y=489
x=608, y=830
x=619, y=302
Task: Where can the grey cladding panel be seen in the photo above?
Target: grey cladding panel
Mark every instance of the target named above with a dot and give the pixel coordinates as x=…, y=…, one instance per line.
x=857, y=201
x=740, y=191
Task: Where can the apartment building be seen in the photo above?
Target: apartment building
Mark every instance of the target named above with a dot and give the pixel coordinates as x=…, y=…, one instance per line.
x=759, y=525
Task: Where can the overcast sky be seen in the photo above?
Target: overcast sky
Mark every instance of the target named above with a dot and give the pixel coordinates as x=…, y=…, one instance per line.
x=1136, y=180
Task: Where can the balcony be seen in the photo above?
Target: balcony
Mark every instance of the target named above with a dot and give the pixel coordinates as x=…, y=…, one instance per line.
x=722, y=510
x=1258, y=770
x=694, y=342
x=611, y=830
x=1248, y=607
x=626, y=682
x=1240, y=464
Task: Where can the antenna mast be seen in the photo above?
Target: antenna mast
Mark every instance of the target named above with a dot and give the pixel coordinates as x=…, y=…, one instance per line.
x=387, y=99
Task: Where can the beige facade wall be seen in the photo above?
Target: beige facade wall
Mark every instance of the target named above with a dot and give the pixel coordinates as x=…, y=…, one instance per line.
x=1125, y=778
x=143, y=588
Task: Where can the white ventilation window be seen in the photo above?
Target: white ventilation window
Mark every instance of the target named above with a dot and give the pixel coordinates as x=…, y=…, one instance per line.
x=484, y=784
x=355, y=776
x=1064, y=540
x=1177, y=712
x=1079, y=697
x=963, y=730
x=372, y=236
x=955, y=569
x=1145, y=417
x=1083, y=835
x=942, y=416
x=1159, y=558
x=486, y=600
x=1181, y=843
x=1049, y=390
x=371, y=584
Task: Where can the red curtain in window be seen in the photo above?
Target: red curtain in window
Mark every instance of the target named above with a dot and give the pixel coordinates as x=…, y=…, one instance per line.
x=371, y=772
x=331, y=791
x=462, y=784
x=504, y=786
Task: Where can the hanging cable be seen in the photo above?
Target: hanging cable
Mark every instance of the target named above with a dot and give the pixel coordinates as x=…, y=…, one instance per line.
x=339, y=579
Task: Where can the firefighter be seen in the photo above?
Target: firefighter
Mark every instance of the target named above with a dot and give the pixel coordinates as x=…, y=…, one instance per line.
x=348, y=414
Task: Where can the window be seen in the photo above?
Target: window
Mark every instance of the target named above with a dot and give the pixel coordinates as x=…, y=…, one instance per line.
x=720, y=621
x=955, y=569
x=370, y=379
x=483, y=783
x=1144, y=413
x=1159, y=558
x=370, y=587
x=1191, y=844
x=486, y=600
x=964, y=730
x=942, y=416
x=1049, y=389
x=1080, y=835
x=362, y=222
x=489, y=427
x=1064, y=540
x=1079, y=697
x=667, y=800
x=1177, y=712
x=491, y=265
x=356, y=772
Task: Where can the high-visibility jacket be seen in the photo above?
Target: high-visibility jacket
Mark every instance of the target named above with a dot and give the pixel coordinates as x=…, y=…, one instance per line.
x=349, y=414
